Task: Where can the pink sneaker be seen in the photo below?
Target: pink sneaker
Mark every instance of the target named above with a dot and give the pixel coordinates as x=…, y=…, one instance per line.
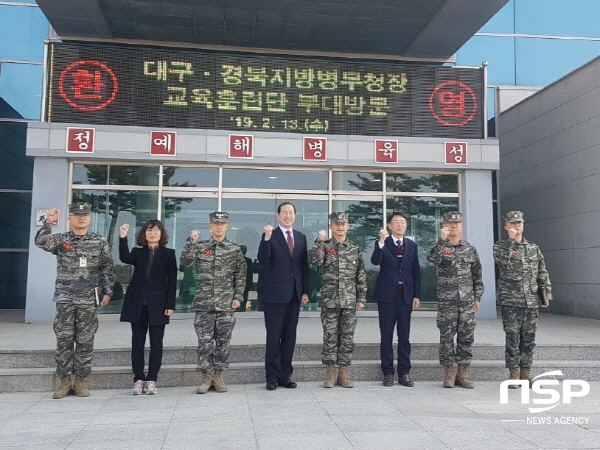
x=138, y=387
x=151, y=388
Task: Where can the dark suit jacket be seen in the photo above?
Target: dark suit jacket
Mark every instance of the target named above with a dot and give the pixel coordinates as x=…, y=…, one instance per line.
x=282, y=270
x=159, y=289
x=389, y=275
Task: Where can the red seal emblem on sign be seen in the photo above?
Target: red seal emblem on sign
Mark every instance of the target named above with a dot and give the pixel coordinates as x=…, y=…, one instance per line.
x=453, y=103
x=88, y=85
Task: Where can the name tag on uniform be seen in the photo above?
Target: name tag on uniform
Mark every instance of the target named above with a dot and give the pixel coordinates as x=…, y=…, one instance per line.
x=83, y=261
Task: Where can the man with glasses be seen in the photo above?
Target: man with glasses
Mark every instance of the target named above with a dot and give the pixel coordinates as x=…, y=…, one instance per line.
x=397, y=292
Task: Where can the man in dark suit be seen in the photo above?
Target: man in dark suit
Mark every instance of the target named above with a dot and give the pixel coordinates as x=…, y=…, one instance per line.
x=283, y=253
x=397, y=292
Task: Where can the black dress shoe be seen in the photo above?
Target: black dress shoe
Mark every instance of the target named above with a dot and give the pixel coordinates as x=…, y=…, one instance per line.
x=288, y=384
x=405, y=380
x=271, y=386
x=388, y=380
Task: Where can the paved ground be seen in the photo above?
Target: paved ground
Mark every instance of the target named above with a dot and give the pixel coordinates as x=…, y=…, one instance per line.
x=250, y=329
x=309, y=417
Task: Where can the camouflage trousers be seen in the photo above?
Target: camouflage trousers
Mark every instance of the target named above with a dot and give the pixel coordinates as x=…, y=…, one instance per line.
x=214, y=330
x=520, y=325
x=456, y=320
x=338, y=335
x=75, y=327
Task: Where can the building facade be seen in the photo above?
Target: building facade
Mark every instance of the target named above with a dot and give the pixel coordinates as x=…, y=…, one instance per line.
x=550, y=156
x=201, y=177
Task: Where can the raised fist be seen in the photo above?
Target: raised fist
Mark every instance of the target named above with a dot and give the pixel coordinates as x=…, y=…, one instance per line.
x=444, y=233
x=268, y=229
x=322, y=235
x=195, y=235
x=383, y=234
x=123, y=230
x=511, y=233
x=52, y=216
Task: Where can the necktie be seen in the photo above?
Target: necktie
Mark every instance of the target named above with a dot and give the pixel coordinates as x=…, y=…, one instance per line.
x=290, y=242
x=399, y=248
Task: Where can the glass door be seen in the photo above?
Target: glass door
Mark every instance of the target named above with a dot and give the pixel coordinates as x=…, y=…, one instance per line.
x=250, y=212
x=182, y=213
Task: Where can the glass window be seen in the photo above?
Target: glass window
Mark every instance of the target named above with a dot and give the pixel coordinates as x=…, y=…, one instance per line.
x=13, y=280
x=542, y=61
x=557, y=17
x=351, y=181
x=111, y=209
x=424, y=223
x=275, y=179
x=16, y=170
x=247, y=219
x=21, y=89
x=501, y=59
x=14, y=224
x=412, y=182
x=115, y=175
x=180, y=217
x=366, y=219
x=502, y=22
x=191, y=176
x=22, y=33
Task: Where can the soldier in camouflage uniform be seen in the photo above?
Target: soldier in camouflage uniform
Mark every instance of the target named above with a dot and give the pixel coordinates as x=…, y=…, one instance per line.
x=343, y=291
x=459, y=294
x=220, y=287
x=83, y=264
x=523, y=286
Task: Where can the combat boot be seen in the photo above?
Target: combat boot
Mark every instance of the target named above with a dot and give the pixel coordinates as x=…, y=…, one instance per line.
x=218, y=382
x=514, y=375
x=205, y=384
x=329, y=376
x=462, y=379
x=343, y=378
x=449, y=376
x=80, y=387
x=526, y=375
x=64, y=388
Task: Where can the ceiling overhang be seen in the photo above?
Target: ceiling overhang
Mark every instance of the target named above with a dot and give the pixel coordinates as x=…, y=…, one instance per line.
x=398, y=29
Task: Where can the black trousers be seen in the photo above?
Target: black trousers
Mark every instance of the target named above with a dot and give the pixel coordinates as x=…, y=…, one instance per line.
x=281, y=321
x=138, y=342
x=395, y=314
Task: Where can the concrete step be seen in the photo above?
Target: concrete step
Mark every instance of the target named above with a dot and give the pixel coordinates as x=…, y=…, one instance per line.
x=119, y=377
x=305, y=352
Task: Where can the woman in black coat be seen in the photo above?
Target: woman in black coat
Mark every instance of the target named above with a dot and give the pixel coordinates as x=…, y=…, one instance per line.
x=150, y=298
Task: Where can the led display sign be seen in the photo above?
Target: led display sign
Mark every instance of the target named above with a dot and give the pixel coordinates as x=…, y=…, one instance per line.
x=182, y=88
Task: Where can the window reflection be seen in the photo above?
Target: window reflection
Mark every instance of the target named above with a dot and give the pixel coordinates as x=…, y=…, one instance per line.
x=191, y=176
x=424, y=223
x=111, y=209
x=411, y=182
x=365, y=218
x=351, y=181
x=275, y=179
x=115, y=175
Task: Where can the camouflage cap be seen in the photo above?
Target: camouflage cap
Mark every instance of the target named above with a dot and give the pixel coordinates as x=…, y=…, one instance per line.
x=452, y=217
x=514, y=216
x=338, y=217
x=80, y=208
x=219, y=217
